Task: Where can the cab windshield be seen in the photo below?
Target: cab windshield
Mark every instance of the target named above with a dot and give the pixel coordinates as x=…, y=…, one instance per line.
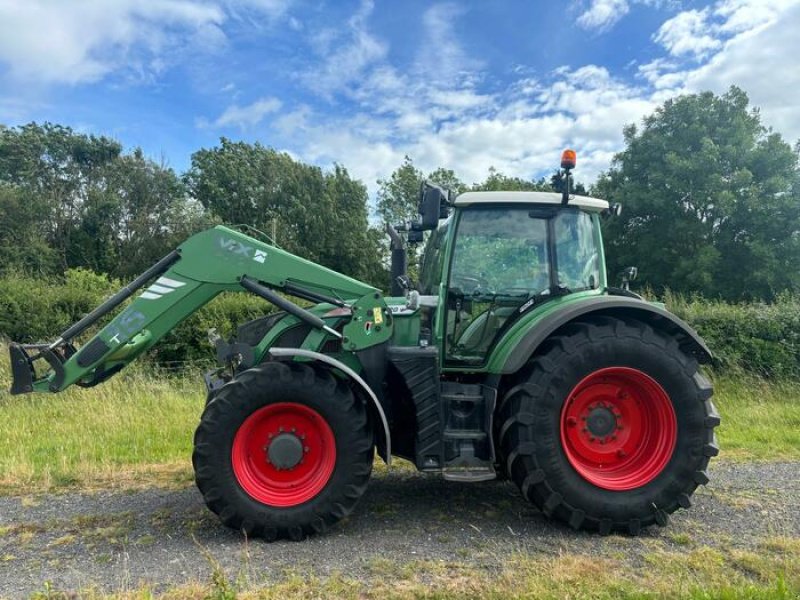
x=507, y=259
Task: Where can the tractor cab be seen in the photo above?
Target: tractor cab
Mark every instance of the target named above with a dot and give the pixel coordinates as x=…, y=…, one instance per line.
x=498, y=255
x=504, y=253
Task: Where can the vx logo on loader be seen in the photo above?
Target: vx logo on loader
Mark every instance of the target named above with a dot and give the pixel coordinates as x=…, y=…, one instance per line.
x=237, y=247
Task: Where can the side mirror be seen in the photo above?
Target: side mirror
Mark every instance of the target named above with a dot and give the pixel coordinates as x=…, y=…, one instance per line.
x=627, y=275
x=432, y=199
x=614, y=210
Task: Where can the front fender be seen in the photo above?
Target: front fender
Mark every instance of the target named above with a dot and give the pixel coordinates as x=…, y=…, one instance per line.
x=355, y=377
x=615, y=306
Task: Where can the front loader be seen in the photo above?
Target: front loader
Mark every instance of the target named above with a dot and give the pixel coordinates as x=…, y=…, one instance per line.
x=511, y=356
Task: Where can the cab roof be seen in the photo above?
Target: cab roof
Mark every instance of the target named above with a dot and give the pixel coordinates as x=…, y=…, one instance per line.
x=584, y=202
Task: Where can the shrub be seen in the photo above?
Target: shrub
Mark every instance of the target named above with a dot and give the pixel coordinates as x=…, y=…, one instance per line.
x=762, y=339
x=759, y=338
x=33, y=309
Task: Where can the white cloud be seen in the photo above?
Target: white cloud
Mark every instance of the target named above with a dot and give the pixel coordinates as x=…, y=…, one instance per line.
x=603, y=14
x=346, y=54
x=441, y=59
x=762, y=61
x=52, y=41
x=520, y=130
x=462, y=124
x=689, y=32
x=249, y=115
x=754, y=39
x=443, y=110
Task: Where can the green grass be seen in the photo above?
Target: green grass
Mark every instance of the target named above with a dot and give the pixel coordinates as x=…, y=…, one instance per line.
x=137, y=428
x=760, y=419
x=701, y=573
x=133, y=430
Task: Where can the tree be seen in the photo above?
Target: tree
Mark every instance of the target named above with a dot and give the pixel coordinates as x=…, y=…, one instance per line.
x=498, y=182
x=58, y=170
x=24, y=233
x=398, y=198
x=710, y=200
x=353, y=248
x=152, y=213
x=74, y=200
x=322, y=217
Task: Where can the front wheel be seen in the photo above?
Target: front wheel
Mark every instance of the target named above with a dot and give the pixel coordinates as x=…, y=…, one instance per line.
x=284, y=450
x=609, y=428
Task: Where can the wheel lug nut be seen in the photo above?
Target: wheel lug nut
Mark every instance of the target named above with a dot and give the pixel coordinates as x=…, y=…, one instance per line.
x=621, y=453
x=280, y=429
x=305, y=448
x=591, y=438
x=572, y=421
x=271, y=435
x=294, y=429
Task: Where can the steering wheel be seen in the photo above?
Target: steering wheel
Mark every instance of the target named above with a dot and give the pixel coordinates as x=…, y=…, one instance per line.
x=478, y=283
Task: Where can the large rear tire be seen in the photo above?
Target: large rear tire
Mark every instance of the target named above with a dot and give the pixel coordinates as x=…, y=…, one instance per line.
x=610, y=427
x=284, y=450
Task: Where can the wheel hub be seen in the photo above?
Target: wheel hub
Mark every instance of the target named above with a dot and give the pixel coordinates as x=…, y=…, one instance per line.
x=285, y=451
x=284, y=454
x=618, y=428
x=601, y=422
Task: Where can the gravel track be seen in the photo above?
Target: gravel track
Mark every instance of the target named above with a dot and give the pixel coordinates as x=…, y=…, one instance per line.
x=117, y=541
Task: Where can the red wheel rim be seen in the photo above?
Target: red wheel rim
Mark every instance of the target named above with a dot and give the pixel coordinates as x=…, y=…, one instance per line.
x=618, y=428
x=284, y=454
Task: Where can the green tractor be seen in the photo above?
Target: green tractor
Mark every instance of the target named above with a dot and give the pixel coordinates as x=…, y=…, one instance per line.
x=511, y=357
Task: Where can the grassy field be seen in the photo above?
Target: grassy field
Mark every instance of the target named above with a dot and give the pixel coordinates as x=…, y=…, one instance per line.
x=701, y=573
x=137, y=428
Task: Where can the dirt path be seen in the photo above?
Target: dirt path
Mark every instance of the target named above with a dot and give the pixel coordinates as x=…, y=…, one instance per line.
x=122, y=540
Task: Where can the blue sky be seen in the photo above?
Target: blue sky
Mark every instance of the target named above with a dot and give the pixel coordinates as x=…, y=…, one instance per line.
x=462, y=85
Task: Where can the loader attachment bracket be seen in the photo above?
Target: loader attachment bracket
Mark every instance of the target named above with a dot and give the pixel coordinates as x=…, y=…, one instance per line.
x=23, y=371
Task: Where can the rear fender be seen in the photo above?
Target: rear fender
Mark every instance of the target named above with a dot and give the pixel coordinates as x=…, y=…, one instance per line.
x=614, y=306
x=360, y=384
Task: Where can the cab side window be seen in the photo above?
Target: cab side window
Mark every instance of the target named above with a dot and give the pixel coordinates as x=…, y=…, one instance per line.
x=576, y=251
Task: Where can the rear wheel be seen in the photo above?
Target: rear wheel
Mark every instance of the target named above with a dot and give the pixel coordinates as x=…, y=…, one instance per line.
x=609, y=428
x=283, y=451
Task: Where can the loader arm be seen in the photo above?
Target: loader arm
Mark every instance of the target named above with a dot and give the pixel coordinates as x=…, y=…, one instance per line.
x=209, y=263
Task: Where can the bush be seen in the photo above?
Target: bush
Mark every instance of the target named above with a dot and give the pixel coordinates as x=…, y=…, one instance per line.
x=763, y=339
x=35, y=309
x=189, y=340
x=758, y=338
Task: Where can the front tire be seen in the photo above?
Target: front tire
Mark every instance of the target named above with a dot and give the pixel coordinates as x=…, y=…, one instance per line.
x=609, y=428
x=284, y=450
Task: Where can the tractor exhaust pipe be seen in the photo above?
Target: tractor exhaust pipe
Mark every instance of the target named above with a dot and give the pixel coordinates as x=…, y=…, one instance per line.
x=399, y=261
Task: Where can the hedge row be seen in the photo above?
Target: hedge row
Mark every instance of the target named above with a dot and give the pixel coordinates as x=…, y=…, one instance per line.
x=759, y=338
x=763, y=339
x=34, y=310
